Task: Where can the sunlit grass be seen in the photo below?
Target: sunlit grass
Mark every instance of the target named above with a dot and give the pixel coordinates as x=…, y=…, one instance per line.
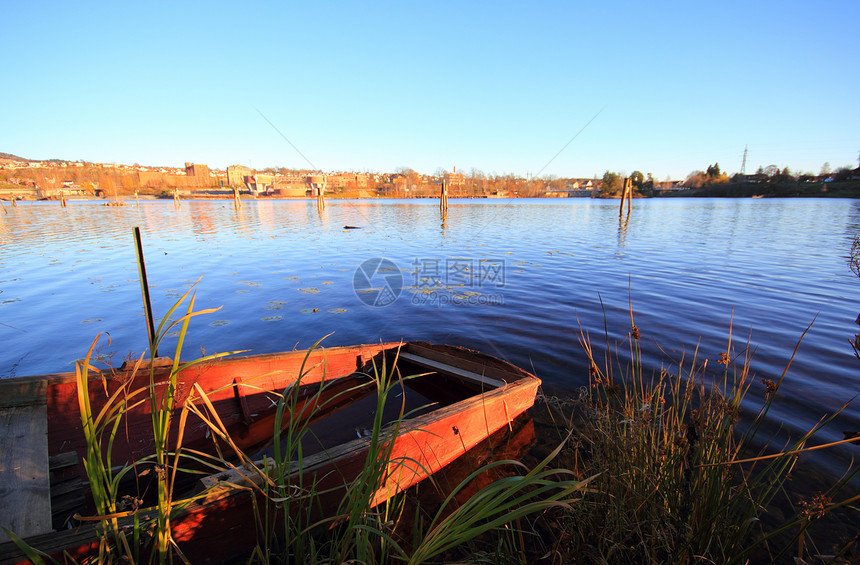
x=677, y=477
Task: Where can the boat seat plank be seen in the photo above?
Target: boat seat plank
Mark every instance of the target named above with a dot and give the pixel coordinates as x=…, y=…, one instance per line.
x=63, y=460
x=450, y=369
x=25, y=488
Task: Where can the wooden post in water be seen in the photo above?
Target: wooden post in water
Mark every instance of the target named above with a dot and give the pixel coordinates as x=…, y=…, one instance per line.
x=62, y=199
x=626, y=193
x=144, y=287
x=317, y=184
x=176, y=197
x=629, y=195
x=443, y=198
x=12, y=200
x=237, y=200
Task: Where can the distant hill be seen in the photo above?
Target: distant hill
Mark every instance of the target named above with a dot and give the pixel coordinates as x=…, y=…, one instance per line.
x=13, y=157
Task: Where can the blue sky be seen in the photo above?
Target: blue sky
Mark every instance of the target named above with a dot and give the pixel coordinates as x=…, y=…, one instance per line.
x=500, y=87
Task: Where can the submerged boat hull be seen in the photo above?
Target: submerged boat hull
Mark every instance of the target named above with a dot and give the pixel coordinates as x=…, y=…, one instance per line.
x=244, y=392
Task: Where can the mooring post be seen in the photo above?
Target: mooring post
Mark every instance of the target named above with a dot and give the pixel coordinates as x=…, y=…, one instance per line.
x=626, y=193
x=443, y=197
x=176, y=197
x=144, y=287
x=629, y=195
x=317, y=184
x=12, y=200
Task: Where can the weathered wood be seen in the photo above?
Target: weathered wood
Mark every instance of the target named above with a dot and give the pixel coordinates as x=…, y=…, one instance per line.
x=477, y=363
x=82, y=539
x=242, y=399
x=629, y=195
x=22, y=392
x=451, y=370
x=25, y=488
x=626, y=194
x=63, y=460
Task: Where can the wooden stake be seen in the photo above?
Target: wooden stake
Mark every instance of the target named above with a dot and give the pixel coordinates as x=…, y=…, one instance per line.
x=144, y=287
x=443, y=197
x=629, y=195
x=626, y=192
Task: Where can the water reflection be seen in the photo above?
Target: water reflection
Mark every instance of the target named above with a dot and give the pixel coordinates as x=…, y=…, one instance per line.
x=622, y=230
x=691, y=268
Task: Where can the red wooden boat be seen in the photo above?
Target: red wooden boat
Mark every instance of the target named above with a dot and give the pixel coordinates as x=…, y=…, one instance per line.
x=461, y=398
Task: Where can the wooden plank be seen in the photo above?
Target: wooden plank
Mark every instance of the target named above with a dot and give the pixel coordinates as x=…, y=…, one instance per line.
x=24, y=391
x=450, y=369
x=25, y=489
x=470, y=361
x=243, y=401
x=63, y=460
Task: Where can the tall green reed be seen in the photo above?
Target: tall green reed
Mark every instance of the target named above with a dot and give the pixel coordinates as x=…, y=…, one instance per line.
x=101, y=431
x=667, y=447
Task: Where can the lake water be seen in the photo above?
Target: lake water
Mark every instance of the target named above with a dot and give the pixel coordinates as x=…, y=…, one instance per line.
x=513, y=278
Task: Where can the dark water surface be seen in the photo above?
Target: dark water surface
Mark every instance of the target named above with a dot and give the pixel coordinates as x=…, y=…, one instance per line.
x=512, y=278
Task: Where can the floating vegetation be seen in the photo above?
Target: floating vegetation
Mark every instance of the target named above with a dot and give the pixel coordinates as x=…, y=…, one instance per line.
x=250, y=283
x=275, y=305
x=218, y=323
x=91, y=320
x=11, y=300
x=310, y=310
x=272, y=319
x=310, y=290
x=327, y=282
x=336, y=310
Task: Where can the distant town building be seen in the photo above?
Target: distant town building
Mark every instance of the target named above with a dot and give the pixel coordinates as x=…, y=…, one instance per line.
x=455, y=179
x=194, y=170
x=259, y=183
x=348, y=180
x=236, y=175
